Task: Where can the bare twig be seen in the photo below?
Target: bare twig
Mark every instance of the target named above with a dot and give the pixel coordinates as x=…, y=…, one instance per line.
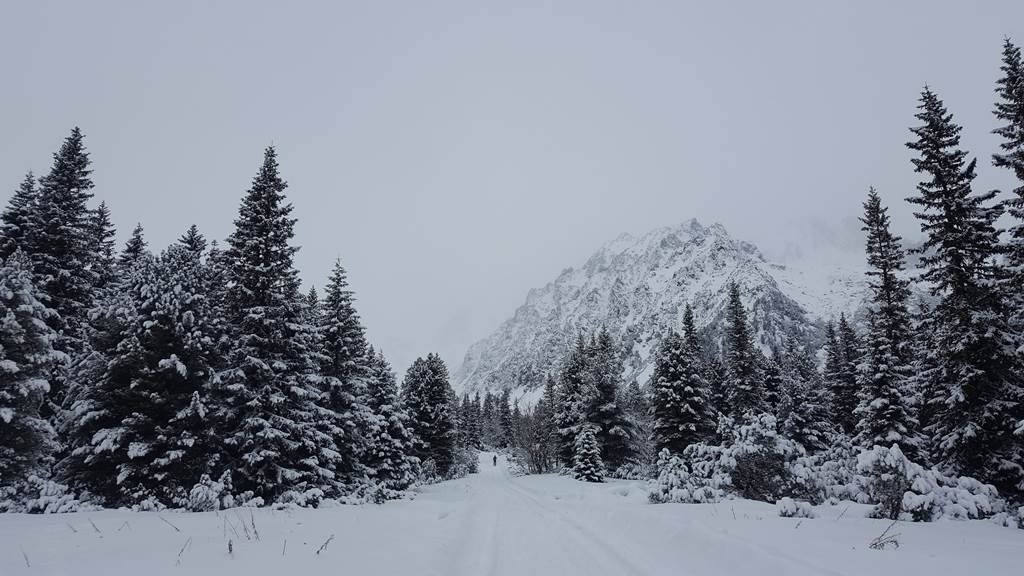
x=843, y=513
x=231, y=548
x=95, y=527
x=324, y=545
x=25, y=556
x=176, y=529
x=231, y=525
x=73, y=529
x=125, y=525
x=182, y=551
x=245, y=529
x=284, y=546
x=733, y=508
x=798, y=524
x=252, y=520
x=884, y=539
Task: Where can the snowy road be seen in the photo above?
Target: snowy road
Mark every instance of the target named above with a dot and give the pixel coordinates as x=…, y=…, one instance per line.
x=509, y=530
x=492, y=523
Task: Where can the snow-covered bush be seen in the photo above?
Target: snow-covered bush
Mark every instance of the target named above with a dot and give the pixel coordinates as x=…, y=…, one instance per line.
x=676, y=483
x=1010, y=518
x=37, y=495
x=789, y=508
x=902, y=489
x=310, y=498
x=827, y=476
x=465, y=461
x=428, y=472
x=752, y=463
x=208, y=495
x=635, y=471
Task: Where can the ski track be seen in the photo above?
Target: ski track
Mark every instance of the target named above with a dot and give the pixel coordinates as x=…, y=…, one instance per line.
x=495, y=524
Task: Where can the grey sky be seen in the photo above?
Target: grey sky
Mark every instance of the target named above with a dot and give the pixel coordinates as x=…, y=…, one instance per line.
x=456, y=154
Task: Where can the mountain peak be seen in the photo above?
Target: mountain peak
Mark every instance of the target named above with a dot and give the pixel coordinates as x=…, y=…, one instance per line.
x=637, y=287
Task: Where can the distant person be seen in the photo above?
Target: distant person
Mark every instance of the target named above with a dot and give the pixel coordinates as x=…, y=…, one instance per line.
x=495, y=460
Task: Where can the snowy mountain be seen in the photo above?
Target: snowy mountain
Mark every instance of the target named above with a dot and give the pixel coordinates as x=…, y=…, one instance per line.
x=637, y=288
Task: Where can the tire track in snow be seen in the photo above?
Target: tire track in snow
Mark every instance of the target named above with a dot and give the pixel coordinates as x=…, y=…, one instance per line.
x=591, y=541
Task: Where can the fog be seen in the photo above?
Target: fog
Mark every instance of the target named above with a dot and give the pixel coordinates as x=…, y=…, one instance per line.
x=456, y=154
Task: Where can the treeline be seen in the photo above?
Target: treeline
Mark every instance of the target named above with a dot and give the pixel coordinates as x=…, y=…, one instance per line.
x=940, y=377
x=200, y=377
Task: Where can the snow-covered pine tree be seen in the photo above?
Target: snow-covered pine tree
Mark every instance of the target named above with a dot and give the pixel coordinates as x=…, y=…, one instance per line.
x=849, y=349
x=504, y=418
x=62, y=246
x=744, y=385
x=390, y=459
x=270, y=395
x=194, y=240
x=471, y=422
x=141, y=432
x=806, y=417
x=27, y=358
x=576, y=394
x=774, y=385
x=586, y=457
x=717, y=376
x=549, y=421
x=839, y=378
x=1009, y=110
x=313, y=304
x=16, y=220
x=679, y=399
x=886, y=407
x=606, y=373
x=344, y=368
x=134, y=248
x=639, y=412
x=978, y=374
x=103, y=234
x=426, y=392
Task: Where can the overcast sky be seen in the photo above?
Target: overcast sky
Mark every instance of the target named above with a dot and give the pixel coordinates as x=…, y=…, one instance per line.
x=456, y=154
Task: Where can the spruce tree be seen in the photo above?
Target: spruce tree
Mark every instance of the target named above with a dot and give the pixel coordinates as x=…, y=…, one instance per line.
x=682, y=414
x=717, y=376
x=885, y=410
x=133, y=249
x=389, y=458
x=586, y=459
x=806, y=417
x=141, y=433
x=103, y=234
x=1009, y=110
x=886, y=396
x=27, y=358
x=344, y=368
x=426, y=392
x=842, y=355
x=62, y=245
x=194, y=240
x=577, y=393
x=549, y=421
x=774, y=386
x=743, y=385
x=504, y=418
x=469, y=407
x=979, y=387
x=606, y=412
x=16, y=220
x=270, y=396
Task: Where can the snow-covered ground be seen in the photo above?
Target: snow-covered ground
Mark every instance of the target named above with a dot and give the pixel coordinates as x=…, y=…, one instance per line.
x=494, y=523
